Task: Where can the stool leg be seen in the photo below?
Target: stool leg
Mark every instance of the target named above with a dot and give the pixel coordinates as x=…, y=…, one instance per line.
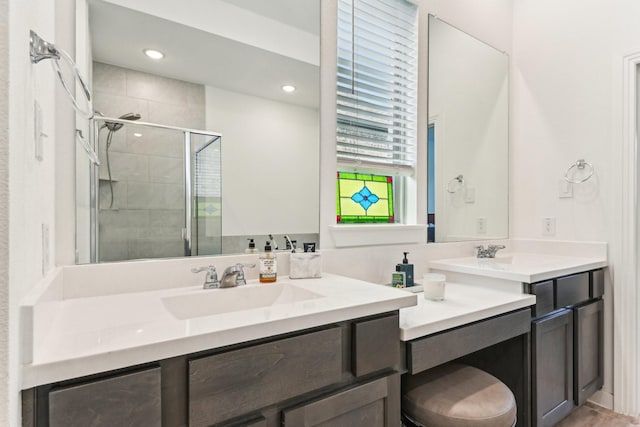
x=408, y=422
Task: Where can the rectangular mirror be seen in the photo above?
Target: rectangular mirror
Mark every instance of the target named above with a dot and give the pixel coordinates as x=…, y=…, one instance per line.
x=468, y=137
x=224, y=70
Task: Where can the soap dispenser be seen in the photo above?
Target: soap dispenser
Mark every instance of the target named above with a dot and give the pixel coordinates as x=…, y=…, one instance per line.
x=268, y=265
x=407, y=269
x=252, y=247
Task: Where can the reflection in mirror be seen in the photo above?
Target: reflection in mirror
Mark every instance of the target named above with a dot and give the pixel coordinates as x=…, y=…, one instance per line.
x=468, y=137
x=223, y=75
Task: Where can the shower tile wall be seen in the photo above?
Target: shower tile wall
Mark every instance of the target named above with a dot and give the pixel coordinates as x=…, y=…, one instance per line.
x=148, y=210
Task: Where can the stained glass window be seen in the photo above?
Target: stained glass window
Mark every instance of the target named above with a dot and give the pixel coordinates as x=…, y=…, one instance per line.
x=364, y=198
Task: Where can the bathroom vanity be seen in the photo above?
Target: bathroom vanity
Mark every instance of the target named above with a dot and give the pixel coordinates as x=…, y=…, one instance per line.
x=345, y=372
x=326, y=351
x=567, y=324
x=567, y=354
x=307, y=352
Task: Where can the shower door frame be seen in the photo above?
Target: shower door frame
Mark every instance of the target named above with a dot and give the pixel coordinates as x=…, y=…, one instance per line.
x=188, y=191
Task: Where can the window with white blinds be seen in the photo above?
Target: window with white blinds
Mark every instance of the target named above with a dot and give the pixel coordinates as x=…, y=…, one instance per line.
x=377, y=84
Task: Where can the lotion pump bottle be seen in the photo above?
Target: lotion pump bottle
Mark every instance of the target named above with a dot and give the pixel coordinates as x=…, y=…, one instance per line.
x=268, y=265
x=407, y=269
x=252, y=247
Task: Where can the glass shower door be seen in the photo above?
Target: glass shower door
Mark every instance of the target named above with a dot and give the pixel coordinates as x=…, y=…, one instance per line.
x=206, y=223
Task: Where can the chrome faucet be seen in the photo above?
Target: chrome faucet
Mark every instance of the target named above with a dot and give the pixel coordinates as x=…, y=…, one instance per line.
x=489, y=252
x=234, y=275
x=211, y=279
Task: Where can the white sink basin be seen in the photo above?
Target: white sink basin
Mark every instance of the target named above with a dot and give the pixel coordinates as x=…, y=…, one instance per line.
x=218, y=301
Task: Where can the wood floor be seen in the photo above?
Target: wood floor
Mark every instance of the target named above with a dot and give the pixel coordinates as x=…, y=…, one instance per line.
x=591, y=415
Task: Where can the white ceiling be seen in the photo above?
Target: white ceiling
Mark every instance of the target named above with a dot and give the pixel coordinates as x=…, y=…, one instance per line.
x=302, y=14
x=119, y=35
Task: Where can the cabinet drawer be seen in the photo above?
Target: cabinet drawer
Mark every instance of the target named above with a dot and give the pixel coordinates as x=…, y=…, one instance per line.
x=434, y=350
x=373, y=404
x=596, y=289
x=544, y=298
x=126, y=400
x=572, y=290
x=238, y=382
x=375, y=344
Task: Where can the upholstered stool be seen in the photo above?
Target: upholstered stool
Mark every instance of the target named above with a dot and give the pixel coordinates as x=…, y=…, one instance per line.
x=456, y=395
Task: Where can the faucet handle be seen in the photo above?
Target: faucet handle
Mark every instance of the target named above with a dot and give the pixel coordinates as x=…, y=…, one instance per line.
x=211, y=279
x=240, y=279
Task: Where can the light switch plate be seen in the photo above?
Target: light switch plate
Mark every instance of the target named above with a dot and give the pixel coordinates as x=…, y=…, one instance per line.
x=38, y=135
x=565, y=189
x=45, y=248
x=470, y=195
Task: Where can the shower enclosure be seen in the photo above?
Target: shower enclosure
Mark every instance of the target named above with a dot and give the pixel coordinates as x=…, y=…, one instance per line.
x=156, y=192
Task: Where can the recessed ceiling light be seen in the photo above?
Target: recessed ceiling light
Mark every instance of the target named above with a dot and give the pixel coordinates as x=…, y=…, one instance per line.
x=153, y=54
x=288, y=88
x=137, y=134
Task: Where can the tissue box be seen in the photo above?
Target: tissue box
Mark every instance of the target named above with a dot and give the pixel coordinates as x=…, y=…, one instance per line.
x=305, y=265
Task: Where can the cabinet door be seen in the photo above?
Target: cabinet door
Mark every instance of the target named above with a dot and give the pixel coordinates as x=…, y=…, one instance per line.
x=589, y=350
x=552, y=368
x=374, y=404
x=128, y=400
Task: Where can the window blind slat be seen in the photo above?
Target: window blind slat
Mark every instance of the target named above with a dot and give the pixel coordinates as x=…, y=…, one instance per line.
x=377, y=83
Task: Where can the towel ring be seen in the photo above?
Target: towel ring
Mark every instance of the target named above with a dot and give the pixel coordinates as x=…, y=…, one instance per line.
x=459, y=179
x=93, y=157
x=581, y=164
x=41, y=49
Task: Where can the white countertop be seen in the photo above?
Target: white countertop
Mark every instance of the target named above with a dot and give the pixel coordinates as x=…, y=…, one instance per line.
x=463, y=304
x=520, y=267
x=82, y=336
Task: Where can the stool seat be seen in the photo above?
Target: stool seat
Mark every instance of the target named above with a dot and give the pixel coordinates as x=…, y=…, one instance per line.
x=456, y=395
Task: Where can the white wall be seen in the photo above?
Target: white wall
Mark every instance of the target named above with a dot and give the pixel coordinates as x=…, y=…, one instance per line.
x=31, y=183
x=269, y=164
x=566, y=105
x=5, y=390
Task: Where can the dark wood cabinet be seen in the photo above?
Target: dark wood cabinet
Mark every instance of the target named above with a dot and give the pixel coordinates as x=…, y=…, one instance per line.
x=234, y=383
x=373, y=404
x=341, y=374
x=127, y=400
x=552, y=368
x=567, y=344
x=589, y=348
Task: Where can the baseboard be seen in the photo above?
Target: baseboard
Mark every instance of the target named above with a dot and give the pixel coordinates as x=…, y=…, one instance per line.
x=602, y=398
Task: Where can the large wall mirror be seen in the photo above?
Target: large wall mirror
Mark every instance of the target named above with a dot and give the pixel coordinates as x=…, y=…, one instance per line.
x=225, y=65
x=468, y=172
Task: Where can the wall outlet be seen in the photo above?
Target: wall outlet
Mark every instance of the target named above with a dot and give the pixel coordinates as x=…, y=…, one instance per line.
x=481, y=225
x=565, y=189
x=549, y=226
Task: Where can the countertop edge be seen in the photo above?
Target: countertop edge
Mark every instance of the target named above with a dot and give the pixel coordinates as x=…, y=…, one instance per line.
x=419, y=331
x=39, y=374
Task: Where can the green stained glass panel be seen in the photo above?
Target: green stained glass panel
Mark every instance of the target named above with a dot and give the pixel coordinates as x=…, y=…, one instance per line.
x=364, y=198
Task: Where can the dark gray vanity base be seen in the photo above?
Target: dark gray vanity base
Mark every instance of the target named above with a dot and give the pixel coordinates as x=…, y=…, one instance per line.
x=499, y=345
x=331, y=376
x=567, y=344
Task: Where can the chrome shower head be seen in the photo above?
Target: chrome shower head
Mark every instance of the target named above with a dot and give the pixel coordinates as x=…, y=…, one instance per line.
x=114, y=127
